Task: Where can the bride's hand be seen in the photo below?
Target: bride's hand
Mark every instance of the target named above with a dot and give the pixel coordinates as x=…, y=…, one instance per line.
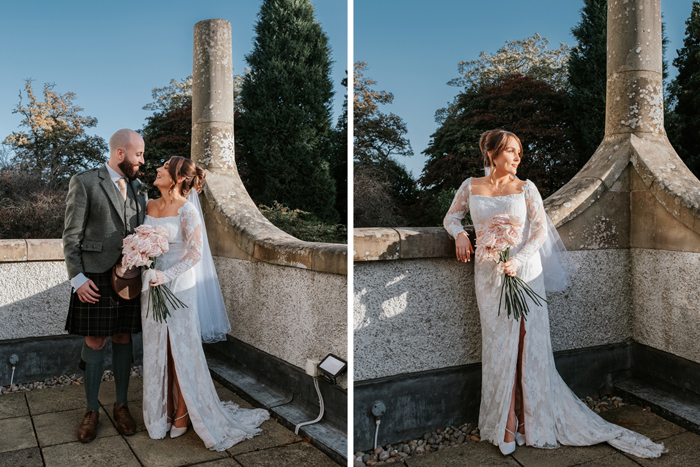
x=510, y=267
x=464, y=247
x=160, y=279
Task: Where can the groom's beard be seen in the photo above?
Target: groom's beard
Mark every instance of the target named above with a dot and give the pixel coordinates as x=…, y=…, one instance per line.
x=128, y=169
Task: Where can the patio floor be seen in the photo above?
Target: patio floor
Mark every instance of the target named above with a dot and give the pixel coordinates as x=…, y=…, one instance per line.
x=683, y=448
x=39, y=429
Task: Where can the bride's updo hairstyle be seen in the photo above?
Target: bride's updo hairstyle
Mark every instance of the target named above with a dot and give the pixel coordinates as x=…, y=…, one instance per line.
x=182, y=167
x=495, y=141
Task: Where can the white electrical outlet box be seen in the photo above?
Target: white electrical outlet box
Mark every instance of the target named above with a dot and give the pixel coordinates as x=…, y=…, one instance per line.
x=312, y=367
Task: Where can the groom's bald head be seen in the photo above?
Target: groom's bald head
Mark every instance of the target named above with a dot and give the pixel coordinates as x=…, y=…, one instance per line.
x=126, y=152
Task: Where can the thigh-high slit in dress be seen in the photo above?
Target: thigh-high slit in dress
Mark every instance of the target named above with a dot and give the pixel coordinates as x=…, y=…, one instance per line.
x=553, y=415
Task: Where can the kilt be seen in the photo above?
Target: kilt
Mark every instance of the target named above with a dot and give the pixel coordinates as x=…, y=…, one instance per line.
x=109, y=316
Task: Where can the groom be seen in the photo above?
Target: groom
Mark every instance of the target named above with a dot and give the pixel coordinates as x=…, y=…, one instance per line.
x=103, y=206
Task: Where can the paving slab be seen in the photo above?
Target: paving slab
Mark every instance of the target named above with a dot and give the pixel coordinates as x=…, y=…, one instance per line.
x=112, y=451
x=295, y=454
x=183, y=450
x=136, y=411
x=642, y=421
x=17, y=433
x=13, y=405
x=471, y=454
x=56, y=399
x=615, y=459
x=273, y=435
x=23, y=458
x=227, y=462
x=61, y=427
x=225, y=394
x=108, y=391
x=564, y=456
x=683, y=450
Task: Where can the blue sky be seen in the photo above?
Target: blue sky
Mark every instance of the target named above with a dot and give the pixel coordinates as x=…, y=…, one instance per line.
x=412, y=47
x=112, y=54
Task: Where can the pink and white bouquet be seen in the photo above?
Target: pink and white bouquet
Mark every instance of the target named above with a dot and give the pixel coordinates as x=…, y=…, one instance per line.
x=141, y=249
x=494, y=243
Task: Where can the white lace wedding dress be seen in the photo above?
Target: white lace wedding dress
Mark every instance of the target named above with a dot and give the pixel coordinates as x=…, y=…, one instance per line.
x=553, y=415
x=219, y=424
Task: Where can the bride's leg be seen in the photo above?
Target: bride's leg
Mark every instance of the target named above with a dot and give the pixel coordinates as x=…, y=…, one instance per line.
x=181, y=411
x=517, y=391
x=519, y=376
x=170, y=403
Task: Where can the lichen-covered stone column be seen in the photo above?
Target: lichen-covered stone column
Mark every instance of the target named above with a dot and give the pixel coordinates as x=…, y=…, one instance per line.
x=212, y=96
x=634, y=98
x=235, y=226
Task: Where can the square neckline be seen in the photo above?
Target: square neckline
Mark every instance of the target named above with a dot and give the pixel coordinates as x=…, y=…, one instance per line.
x=469, y=185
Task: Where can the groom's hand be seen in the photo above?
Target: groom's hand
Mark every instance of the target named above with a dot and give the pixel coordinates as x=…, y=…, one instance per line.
x=87, y=293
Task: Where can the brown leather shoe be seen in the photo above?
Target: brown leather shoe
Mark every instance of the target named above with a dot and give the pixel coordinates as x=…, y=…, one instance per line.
x=122, y=418
x=87, y=431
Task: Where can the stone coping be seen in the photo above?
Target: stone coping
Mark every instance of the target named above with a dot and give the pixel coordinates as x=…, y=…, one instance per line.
x=386, y=243
x=241, y=220
x=13, y=251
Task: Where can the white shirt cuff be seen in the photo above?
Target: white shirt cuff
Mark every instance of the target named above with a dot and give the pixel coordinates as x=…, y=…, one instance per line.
x=78, y=281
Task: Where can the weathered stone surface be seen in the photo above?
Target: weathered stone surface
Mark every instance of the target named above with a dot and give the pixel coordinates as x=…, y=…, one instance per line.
x=295, y=454
x=62, y=397
x=61, y=427
x=13, y=250
x=563, y=457
x=642, y=421
x=274, y=434
x=44, y=250
x=34, y=297
x=683, y=449
x=183, y=450
x=112, y=451
x=466, y=455
x=30, y=457
x=614, y=459
x=310, y=318
x=665, y=301
x=13, y=406
x=372, y=244
x=212, y=79
x=17, y=433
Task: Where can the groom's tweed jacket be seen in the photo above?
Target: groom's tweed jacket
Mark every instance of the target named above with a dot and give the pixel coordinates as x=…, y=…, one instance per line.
x=98, y=219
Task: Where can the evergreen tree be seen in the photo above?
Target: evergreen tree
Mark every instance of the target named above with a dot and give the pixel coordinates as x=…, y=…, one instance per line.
x=286, y=102
x=683, y=125
x=587, y=78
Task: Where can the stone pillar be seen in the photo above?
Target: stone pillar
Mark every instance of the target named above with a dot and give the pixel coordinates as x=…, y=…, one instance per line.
x=212, y=97
x=634, y=98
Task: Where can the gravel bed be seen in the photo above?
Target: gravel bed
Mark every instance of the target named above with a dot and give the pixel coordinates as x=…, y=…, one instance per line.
x=452, y=437
x=64, y=380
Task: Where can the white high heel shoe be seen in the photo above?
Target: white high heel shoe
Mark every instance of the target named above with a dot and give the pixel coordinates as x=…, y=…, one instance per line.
x=507, y=448
x=519, y=437
x=179, y=431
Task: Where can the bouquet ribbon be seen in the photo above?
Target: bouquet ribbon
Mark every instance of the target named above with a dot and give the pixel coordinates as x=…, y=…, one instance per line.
x=148, y=276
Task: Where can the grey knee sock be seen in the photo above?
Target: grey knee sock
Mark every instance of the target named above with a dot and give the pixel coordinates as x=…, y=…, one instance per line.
x=94, y=366
x=121, y=366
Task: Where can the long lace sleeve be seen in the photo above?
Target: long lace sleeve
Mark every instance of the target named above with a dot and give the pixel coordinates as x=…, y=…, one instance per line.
x=538, y=224
x=460, y=205
x=192, y=236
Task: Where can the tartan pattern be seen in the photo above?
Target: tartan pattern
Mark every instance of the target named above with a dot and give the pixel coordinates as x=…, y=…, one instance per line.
x=109, y=316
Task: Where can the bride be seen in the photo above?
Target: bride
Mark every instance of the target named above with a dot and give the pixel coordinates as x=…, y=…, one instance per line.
x=517, y=359
x=177, y=386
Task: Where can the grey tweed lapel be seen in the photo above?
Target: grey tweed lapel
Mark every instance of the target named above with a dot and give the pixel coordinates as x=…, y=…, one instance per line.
x=111, y=191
